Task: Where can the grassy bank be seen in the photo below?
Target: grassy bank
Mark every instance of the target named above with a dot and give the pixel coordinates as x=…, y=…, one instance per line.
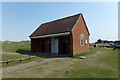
x=11, y=56
x=19, y=47
x=16, y=50
x=96, y=65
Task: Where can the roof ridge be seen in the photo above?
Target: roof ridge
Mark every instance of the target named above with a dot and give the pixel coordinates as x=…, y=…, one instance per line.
x=57, y=26
x=62, y=18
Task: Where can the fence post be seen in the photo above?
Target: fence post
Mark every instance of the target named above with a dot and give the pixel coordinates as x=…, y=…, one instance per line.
x=7, y=62
x=20, y=60
x=17, y=60
x=29, y=57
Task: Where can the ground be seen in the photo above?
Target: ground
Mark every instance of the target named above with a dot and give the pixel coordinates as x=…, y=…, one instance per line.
x=15, y=50
x=101, y=63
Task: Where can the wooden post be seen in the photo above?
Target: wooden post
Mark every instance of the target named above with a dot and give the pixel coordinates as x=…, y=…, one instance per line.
x=20, y=59
x=29, y=57
x=7, y=62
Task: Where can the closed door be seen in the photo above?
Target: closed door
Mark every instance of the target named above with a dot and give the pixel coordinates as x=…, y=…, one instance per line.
x=54, y=45
x=42, y=45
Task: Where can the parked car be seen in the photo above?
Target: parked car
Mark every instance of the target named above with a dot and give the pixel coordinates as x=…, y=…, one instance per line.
x=117, y=47
x=110, y=45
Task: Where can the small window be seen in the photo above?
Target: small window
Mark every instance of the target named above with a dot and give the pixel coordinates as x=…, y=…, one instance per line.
x=82, y=41
x=81, y=35
x=86, y=41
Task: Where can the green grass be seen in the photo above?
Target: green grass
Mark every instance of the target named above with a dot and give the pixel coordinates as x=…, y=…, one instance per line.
x=100, y=44
x=20, y=47
x=93, y=50
x=9, y=56
x=18, y=62
x=82, y=54
x=103, y=65
x=16, y=50
x=6, y=57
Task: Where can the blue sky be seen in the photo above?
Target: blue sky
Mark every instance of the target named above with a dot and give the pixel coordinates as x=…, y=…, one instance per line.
x=20, y=19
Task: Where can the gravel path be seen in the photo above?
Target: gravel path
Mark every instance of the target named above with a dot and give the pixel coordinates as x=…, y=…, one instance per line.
x=26, y=65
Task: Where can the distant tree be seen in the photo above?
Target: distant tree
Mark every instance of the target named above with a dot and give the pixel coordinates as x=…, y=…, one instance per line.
x=99, y=41
x=117, y=42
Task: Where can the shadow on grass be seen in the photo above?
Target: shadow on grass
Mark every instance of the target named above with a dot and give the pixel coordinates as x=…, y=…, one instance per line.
x=43, y=55
x=82, y=54
x=25, y=52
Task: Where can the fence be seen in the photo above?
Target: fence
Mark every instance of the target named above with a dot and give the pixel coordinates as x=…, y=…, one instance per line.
x=17, y=59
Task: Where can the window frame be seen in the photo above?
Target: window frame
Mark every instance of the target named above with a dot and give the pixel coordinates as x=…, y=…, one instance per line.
x=86, y=41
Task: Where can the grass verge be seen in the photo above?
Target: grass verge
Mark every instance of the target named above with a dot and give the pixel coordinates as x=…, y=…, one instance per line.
x=82, y=54
x=102, y=65
x=22, y=62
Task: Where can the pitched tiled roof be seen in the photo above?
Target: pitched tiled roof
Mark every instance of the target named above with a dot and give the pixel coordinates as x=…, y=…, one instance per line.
x=57, y=26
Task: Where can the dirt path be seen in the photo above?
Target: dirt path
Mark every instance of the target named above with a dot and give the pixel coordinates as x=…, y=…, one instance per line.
x=26, y=65
x=34, y=63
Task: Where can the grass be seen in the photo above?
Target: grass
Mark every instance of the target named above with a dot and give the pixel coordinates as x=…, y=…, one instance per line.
x=16, y=50
x=9, y=56
x=100, y=44
x=96, y=65
x=86, y=53
x=82, y=54
x=18, y=62
x=8, y=46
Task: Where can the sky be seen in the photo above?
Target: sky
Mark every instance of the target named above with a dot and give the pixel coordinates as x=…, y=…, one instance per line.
x=20, y=19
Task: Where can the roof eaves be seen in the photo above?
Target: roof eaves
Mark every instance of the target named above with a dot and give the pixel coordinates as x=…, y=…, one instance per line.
x=51, y=35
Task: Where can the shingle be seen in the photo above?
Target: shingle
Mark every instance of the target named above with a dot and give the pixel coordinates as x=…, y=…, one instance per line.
x=57, y=26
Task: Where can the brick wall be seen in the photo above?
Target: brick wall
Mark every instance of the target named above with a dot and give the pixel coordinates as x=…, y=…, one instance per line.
x=36, y=45
x=79, y=28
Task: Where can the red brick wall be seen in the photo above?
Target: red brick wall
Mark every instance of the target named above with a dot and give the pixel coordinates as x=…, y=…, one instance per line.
x=79, y=28
x=47, y=45
x=64, y=44
x=35, y=47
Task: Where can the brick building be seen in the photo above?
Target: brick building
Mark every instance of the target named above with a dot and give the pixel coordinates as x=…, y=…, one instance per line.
x=66, y=36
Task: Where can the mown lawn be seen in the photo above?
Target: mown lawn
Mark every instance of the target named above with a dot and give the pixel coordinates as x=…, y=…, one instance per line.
x=96, y=65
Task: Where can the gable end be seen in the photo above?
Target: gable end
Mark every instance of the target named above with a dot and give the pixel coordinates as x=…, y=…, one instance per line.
x=81, y=16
